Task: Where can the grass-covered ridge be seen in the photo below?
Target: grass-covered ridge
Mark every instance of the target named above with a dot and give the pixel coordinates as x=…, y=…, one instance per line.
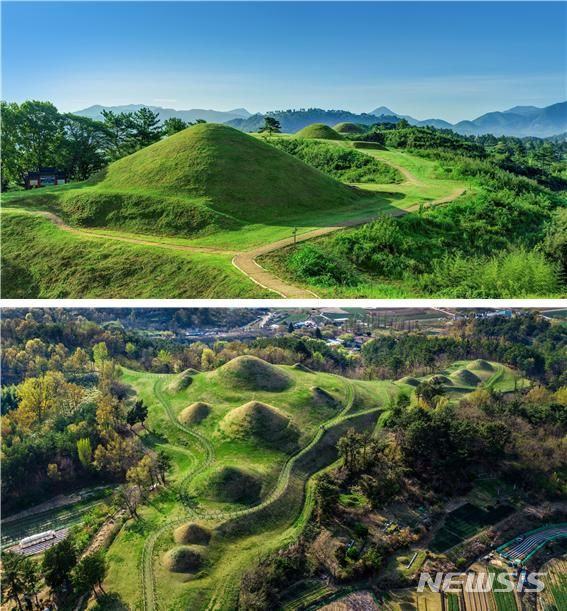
x=340, y=162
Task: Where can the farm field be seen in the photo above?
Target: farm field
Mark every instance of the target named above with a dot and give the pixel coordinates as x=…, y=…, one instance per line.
x=554, y=596
x=465, y=522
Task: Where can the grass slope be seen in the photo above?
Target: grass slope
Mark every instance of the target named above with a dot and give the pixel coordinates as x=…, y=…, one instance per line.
x=40, y=260
x=318, y=130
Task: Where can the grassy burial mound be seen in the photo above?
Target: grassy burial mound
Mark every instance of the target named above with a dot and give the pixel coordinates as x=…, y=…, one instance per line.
x=323, y=398
x=192, y=533
x=252, y=373
x=194, y=413
x=441, y=379
x=263, y=423
x=319, y=130
x=464, y=377
x=182, y=381
x=211, y=171
x=349, y=128
x=409, y=381
x=184, y=559
x=234, y=485
x=480, y=365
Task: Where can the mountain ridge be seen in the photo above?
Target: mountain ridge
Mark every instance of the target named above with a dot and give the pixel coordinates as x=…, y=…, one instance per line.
x=519, y=121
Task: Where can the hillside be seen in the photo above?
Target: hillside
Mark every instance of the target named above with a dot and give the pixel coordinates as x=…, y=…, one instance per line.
x=229, y=172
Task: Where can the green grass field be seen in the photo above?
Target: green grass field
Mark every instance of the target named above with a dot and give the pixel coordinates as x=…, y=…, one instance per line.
x=273, y=469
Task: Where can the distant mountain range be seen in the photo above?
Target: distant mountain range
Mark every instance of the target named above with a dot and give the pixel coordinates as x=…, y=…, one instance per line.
x=518, y=121
x=211, y=116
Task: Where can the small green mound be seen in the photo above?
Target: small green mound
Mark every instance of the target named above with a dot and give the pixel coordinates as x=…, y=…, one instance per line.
x=192, y=534
x=256, y=420
x=301, y=367
x=181, y=381
x=234, y=485
x=464, y=377
x=323, y=398
x=481, y=365
x=349, y=128
x=194, y=413
x=409, y=380
x=251, y=373
x=319, y=130
x=184, y=559
x=441, y=379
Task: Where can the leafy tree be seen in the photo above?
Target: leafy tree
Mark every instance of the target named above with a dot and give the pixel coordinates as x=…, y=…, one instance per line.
x=137, y=413
x=12, y=579
x=85, y=452
x=83, y=145
x=173, y=125
x=146, y=127
x=163, y=465
x=271, y=126
x=100, y=354
x=58, y=564
x=90, y=573
x=31, y=580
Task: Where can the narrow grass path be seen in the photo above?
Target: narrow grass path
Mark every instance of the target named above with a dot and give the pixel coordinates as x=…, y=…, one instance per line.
x=147, y=573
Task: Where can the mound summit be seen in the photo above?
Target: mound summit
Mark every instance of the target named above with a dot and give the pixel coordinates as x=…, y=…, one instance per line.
x=252, y=373
x=318, y=130
x=465, y=377
x=194, y=413
x=192, y=533
x=234, y=485
x=227, y=172
x=349, y=128
x=262, y=422
x=184, y=559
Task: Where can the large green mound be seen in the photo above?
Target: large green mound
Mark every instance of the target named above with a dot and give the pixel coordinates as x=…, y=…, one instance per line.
x=192, y=533
x=409, y=381
x=184, y=559
x=194, y=413
x=252, y=373
x=464, y=377
x=319, y=130
x=234, y=485
x=182, y=381
x=349, y=128
x=256, y=420
x=227, y=170
x=481, y=365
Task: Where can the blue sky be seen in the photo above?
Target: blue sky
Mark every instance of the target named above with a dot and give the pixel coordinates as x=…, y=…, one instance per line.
x=452, y=60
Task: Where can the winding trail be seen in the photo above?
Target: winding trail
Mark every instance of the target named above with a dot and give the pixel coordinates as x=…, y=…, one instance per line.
x=245, y=261
x=147, y=573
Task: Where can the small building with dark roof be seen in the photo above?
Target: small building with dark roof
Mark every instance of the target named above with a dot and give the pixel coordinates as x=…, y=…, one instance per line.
x=44, y=177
